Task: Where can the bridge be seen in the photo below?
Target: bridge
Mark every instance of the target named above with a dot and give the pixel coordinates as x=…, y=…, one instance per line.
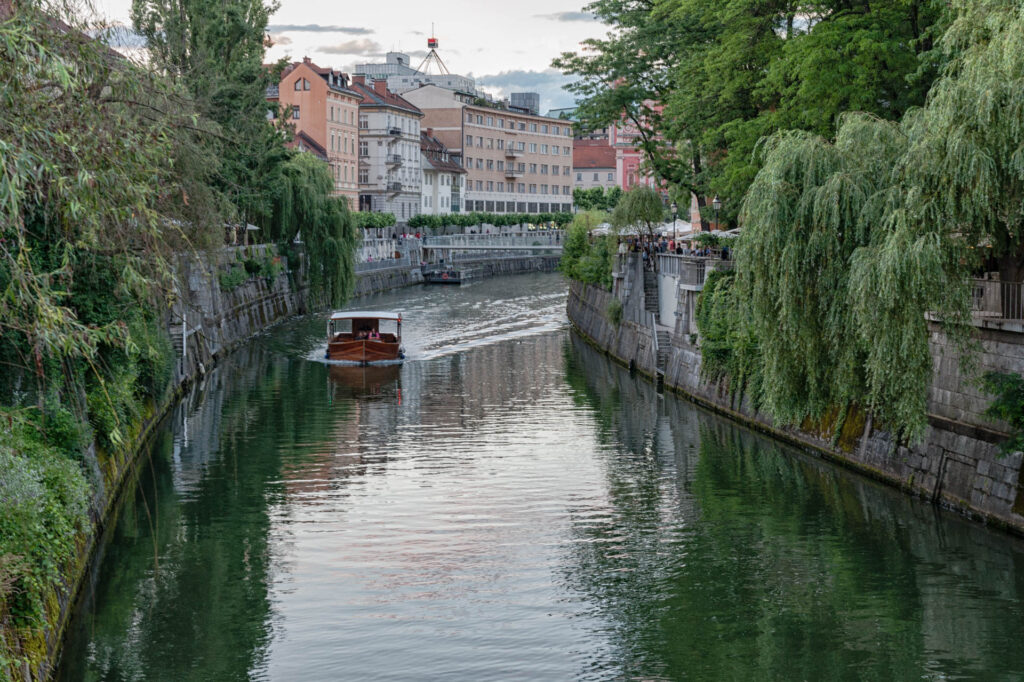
x=384, y=254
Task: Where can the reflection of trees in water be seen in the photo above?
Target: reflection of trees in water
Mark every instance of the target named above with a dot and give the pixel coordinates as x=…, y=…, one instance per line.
x=723, y=554
x=184, y=579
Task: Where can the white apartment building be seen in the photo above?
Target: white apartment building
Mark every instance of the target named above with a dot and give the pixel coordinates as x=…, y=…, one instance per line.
x=390, y=176
x=442, y=177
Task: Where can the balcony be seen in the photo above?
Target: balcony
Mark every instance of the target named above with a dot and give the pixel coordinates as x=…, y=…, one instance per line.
x=394, y=187
x=395, y=132
x=394, y=159
x=513, y=173
x=512, y=153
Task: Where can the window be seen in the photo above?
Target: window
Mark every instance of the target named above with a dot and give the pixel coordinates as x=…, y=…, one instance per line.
x=554, y=170
x=295, y=112
x=501, y=165
x=479, y=119
x=556, y=131
x=611, y=176
x=364, y=122
x=544, y=129
x=490, y=164
x=469, y=162
x=480, y=185
x=490, y=143
x=522, y=126
x=554, y=149
x=533, y=127
x=480, y=163
x=469, y=140
x=521, y=188
x=501, y=123
x=565, y=190
x=501, y=186
x=469, y=117
x=543, y=189
x=543, y=149
x=490, y=185
x=364, y=148
x=533, y=189
x=479, y=141
x=490, y=121
x=543, y=169
x=364, y=176
x=595, y=177
x=565, y=150
x=305, y=84
x=501, y=144
x=565, y=170
x=298, y=84
x=579, y=177
x=533, y=168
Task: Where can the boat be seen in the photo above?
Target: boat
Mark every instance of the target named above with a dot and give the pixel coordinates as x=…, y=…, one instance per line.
x=356, y=336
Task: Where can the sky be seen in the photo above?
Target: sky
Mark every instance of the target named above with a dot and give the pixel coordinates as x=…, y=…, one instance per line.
x=506, y=46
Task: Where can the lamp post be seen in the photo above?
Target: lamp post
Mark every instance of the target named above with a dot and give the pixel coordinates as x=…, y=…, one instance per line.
x=675, y=212
x=716, y=204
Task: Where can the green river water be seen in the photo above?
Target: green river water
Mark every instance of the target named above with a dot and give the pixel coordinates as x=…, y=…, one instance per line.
x=509, y=505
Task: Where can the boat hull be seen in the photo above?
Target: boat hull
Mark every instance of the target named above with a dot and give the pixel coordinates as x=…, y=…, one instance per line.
x=363, y=351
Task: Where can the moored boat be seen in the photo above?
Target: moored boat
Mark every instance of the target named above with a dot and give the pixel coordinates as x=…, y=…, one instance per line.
x=357, y=336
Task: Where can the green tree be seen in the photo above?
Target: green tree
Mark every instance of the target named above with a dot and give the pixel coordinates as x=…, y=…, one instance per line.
x=640, y=208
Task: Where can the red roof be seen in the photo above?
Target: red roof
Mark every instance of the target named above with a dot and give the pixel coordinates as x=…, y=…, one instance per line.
x=593, y=156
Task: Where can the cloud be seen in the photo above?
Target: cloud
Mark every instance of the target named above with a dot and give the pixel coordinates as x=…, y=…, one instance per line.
x=120, y=36
x=319, y=28
x=280, y=39
x=549, y=83
x=361, y=46
x=568, y=16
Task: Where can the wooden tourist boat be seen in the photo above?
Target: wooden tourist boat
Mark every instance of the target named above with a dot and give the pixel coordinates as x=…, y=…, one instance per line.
x=356, y=336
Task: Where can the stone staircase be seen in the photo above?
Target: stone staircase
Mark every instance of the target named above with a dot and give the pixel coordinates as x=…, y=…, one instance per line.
x=664, y=347
x=651, y=292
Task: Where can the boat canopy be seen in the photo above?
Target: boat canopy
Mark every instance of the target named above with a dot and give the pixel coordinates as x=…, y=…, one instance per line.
x=367, y=315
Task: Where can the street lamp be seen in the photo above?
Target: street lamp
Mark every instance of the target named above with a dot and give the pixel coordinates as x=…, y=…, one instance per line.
x=716, y=204
x=675, y=212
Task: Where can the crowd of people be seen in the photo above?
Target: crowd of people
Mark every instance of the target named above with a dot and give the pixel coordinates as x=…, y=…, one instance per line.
x=649, y=247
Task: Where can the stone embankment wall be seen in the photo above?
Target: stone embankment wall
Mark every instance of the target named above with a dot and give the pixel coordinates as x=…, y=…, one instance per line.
x=958, y=464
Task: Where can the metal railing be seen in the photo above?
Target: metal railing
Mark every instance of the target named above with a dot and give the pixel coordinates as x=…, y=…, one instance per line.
x=393, y=159
x=690, y=270
x=397, y=132
x=386, y=264
x=394, y=187
x=996, y=299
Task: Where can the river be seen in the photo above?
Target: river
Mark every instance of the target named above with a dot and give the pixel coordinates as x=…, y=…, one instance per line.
x=510, y=505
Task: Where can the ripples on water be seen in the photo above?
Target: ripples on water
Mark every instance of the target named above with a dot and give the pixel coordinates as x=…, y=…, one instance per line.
x=508, y=505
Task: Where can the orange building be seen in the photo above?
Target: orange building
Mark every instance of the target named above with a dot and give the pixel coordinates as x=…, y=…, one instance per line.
x=325, y=113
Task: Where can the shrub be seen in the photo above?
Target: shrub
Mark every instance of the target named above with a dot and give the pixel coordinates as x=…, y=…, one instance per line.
x=615, y=312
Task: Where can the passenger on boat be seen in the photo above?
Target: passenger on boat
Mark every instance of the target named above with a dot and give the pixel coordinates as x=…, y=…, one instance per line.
x=375, y=334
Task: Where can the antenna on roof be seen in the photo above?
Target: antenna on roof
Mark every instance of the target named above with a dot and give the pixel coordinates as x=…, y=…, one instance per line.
x=433, y=59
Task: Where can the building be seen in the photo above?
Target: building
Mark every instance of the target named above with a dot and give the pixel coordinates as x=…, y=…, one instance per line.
x=594, y=165
x=514, y=162
x=389, y=151
x=442, y=177
x=401, y=76
x=528, y=102
x=325, y=113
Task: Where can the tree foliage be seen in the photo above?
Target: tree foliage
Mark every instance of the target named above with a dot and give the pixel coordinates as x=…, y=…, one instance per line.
x=639, y=208
x=597, y=198
x=701, y=81
x=848, y=246
x=585, y=257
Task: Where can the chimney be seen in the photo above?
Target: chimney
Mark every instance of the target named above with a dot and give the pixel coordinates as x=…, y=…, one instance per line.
x=430, y=132
x=358, y=80
x=306, y=60
x=380, y=87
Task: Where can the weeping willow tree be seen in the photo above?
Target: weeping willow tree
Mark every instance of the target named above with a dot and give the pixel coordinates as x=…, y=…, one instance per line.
x=810, y=208
x=850, y=245
x=325, y=223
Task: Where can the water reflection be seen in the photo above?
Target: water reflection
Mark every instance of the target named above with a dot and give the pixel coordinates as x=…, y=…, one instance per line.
x=727, y=555
x=522, y=509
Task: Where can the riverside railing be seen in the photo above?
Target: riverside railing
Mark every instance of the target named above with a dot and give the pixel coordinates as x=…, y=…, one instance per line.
x=690, y=270
x=997, y=299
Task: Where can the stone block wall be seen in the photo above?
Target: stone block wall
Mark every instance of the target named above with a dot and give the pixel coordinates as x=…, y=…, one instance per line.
x=958, y=464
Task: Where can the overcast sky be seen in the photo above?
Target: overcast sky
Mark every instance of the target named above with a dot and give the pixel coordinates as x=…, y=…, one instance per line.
x=506, y=46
